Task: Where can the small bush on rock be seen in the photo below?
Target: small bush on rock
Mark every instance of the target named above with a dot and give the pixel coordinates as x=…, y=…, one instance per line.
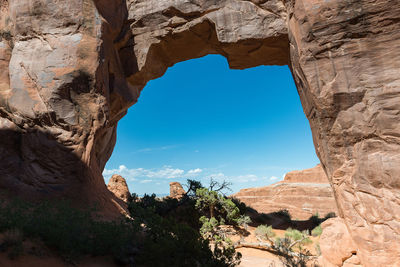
x=317, y=231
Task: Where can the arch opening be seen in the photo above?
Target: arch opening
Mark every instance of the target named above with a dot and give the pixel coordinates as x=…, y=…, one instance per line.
x=201, y=115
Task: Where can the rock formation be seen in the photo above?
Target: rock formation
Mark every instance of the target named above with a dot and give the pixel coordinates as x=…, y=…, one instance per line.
x=118, y=186
x=176, y=190
x=303, y=193
x=337, y=247
x=70, y=69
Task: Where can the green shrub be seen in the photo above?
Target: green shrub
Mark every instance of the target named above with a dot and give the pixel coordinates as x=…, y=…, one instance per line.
x=296, y=235
x=168, y=242
x=317, y=231
x=265, y=232
x=69, y=231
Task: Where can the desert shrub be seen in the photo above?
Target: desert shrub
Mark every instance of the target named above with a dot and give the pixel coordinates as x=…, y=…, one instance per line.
x=265, y=232
x=317, y=231
x=300, y=237
x=244, y=221
x=241, y=206
x=168, y=242
x=288, y=257
x=283, y=214
x=71, y=232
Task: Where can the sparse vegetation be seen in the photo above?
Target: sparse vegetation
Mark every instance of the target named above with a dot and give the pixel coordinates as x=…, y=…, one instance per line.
x=317, y=231
x=290, y=248
x=182, y=232
x=72, y=233
x=265, y=232
x=191, y=231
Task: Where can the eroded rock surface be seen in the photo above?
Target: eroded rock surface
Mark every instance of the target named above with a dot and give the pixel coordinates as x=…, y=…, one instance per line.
x=118, y=186
x=176, y=190
x=337, y=247
x=70, y=69
x=303, y=193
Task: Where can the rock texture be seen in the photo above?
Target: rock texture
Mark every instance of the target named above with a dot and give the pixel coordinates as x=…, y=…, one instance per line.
x=337, y=247
x=118, y=186
x=176, y=190
x=303, y=193
x=70, y=69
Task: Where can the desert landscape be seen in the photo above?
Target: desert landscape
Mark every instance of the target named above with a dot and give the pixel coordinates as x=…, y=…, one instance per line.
x=71, y=69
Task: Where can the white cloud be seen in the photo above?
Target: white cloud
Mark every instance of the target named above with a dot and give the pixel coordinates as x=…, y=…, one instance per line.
x=247, y=178
x=166, y=172
x=121, y=169
x=273, y=178
x=194, y=172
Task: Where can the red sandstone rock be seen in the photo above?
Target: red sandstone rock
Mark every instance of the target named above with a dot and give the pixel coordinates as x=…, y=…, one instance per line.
x=70, y=69
x=119, y=187
x=303, y=193
x=176, y=190
x=337, y=247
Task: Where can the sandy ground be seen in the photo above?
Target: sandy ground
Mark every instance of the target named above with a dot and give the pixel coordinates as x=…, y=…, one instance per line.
x=259, y=258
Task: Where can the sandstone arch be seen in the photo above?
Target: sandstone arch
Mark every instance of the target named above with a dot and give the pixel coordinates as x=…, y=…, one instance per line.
x=70, y=69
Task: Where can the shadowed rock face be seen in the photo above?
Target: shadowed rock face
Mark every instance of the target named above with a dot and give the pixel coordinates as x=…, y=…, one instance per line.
x=70, y=69
x=303, y=193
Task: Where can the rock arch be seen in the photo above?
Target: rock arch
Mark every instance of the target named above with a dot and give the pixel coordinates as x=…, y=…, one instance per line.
x=70, y=69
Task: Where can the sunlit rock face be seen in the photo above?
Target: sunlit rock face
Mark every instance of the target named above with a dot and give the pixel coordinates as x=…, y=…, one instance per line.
x=303, y=193
x=118, y=186
x=176, y=190
x=70, y=69
x=337, y=247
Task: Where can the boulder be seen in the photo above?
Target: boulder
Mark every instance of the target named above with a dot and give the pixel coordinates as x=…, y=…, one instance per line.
x=337, y=246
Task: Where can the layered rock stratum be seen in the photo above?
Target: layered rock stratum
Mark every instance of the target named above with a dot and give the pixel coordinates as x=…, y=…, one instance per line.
x=118, y=186
x=71, y=69
x=302, y=193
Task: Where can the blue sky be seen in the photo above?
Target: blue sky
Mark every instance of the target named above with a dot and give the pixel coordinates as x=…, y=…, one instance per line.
x=203, y=120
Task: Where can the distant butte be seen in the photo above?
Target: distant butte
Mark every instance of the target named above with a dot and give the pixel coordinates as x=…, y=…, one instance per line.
x=303, y=193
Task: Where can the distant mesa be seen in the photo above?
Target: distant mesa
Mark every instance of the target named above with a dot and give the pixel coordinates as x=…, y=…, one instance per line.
x=303, y=193
x=119, y=187
x=176, y=190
